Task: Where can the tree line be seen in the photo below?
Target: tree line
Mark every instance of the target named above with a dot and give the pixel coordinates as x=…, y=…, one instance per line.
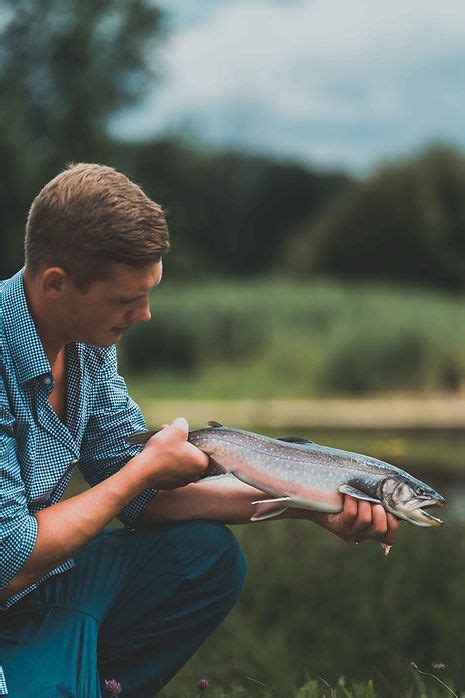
x=67, y=67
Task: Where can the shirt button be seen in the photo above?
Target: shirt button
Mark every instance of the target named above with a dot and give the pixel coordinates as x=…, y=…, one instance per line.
x=48, y=380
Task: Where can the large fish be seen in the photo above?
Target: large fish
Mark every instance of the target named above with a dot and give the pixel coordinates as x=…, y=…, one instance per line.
x=300, y=473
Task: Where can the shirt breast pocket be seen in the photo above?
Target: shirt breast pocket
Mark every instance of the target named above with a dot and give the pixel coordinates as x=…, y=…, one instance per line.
x=54, y=464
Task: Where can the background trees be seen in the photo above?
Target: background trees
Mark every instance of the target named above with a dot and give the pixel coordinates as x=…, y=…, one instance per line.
x=229, y=213
x=405, y=223
x=66, y=66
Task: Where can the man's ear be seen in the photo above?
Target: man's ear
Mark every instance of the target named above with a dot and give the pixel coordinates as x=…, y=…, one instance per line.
x=53, y=282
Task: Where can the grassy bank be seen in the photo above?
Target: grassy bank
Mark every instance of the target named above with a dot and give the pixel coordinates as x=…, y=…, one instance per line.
x=432, y=686
x=317, y=607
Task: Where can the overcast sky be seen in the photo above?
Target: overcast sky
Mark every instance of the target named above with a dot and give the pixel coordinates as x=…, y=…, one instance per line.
x=336, y=83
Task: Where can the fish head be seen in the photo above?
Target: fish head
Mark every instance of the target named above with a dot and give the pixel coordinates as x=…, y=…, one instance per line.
x=407, y=498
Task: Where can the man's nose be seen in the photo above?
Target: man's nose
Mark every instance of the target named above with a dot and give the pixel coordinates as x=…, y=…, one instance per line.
x=141, y=313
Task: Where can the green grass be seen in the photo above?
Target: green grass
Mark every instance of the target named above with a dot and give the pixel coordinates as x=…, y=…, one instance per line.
x=432, y=686
x=315, y=606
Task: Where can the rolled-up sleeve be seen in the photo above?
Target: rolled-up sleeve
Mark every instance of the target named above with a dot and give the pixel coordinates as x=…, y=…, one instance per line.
x=114, y=415
x=18, y=528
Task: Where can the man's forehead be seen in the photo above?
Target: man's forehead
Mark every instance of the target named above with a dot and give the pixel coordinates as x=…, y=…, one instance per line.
x=134, y=279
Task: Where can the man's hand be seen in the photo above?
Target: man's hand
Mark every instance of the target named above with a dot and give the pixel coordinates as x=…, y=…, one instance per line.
x=168, y=460
x=359, y=521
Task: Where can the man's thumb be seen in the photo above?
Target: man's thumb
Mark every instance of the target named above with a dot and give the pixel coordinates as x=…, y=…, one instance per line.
x=181, y=424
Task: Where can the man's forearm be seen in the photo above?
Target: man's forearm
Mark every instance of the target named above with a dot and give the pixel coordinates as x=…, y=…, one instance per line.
x=65, y=527
x=229, y=500
x=167, y=460
x=224, y=499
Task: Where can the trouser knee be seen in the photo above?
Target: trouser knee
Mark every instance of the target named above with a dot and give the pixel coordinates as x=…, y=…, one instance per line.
x=229, y=564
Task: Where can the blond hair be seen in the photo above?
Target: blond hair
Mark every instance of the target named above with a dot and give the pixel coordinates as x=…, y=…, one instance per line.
x=89, y=215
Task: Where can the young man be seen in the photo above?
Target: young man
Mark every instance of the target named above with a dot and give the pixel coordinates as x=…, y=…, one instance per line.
x=81, y=603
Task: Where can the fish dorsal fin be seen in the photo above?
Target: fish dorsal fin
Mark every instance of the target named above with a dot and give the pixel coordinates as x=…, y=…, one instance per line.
x=214, y=424
x=295, y=440
x=354, y=492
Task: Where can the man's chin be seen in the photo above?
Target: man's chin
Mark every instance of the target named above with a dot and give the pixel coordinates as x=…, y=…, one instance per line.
x=104, y=342
x=105, y=338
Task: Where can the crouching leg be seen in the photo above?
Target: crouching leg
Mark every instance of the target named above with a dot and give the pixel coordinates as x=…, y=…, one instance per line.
x=183, y=580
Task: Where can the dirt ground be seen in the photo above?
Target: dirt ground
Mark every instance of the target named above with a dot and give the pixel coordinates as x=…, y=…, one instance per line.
x=397, y=412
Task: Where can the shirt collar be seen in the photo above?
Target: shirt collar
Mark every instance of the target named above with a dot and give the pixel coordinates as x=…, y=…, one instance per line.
x=21, y=333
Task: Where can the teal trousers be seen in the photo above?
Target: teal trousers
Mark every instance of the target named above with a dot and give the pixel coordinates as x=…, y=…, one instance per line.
x=134, y=608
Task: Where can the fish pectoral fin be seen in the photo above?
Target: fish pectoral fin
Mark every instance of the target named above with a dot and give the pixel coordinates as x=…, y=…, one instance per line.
x=348, y=489
x=214, y=424
x=267, y=508
x=140, y=438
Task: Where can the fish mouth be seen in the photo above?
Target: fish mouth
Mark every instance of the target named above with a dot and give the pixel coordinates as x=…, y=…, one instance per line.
x=414, y=511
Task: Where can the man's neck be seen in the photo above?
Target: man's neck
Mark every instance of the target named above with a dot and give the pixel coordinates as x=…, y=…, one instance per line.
x=47, y=326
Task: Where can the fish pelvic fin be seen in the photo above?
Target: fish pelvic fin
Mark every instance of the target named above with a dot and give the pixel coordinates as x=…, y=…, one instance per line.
x=268, y=508
x=354, y=492
x=140, y=438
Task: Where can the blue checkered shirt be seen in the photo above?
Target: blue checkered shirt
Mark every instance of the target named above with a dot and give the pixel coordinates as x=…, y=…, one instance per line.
x=38, y=452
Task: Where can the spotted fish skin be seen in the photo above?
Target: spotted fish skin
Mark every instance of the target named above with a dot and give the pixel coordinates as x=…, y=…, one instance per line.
x=299, y=473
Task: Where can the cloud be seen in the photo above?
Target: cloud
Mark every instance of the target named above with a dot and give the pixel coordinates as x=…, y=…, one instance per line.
x=338, y=83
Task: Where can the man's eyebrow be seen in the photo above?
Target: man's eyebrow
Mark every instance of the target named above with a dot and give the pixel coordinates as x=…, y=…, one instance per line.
x=139, y=295
x=131, y=298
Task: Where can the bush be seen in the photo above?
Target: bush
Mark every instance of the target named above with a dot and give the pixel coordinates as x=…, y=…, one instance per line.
x=277, y=338
x=406, y=222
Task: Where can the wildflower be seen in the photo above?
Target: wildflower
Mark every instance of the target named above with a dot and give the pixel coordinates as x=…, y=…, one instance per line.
x=439, y=666
x=113, y=687
x=203, y=684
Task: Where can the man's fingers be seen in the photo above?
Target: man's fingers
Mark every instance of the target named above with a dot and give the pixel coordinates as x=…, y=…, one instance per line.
x=379, y=525
x=383, y=527
x=363, y=521
x=360, y=520
x=181, y=424
x=392, y=530
x=349, y=513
